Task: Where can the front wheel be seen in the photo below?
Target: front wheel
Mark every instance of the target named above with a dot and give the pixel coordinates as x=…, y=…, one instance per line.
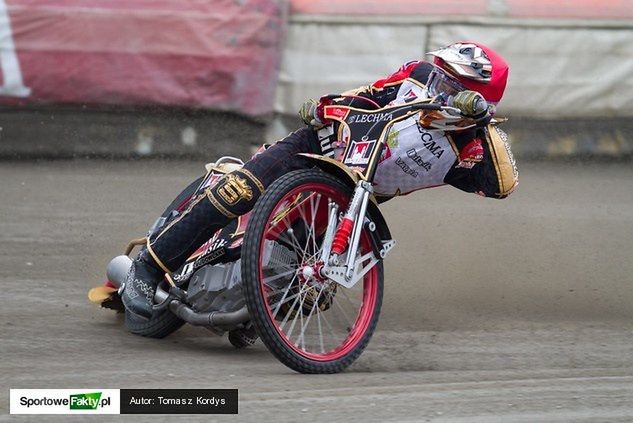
x=310, y=323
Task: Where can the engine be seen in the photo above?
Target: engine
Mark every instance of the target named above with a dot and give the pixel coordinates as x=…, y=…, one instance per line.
x=219, y=287
x=216, y=288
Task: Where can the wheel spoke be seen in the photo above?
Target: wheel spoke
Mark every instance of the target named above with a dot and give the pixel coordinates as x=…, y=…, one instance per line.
x=284, y=301
x=330, y=327
x=284, y=296
x=347, y=319
x=320, y=332
x=315, y=207
x=349, y=300
x=278, y=276
x=299, y=312
x=301, y=250
x=294, y=243
x=310, y=229
x=309, y=316
x=292, y=307
x=301, y=340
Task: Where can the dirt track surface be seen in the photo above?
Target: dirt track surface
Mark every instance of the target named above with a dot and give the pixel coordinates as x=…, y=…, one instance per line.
x=514, y=310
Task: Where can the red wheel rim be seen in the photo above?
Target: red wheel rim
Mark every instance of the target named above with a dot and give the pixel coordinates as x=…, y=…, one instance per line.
x=366, y=292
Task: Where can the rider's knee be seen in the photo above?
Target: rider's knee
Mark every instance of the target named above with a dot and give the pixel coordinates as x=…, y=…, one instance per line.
x=236, y=193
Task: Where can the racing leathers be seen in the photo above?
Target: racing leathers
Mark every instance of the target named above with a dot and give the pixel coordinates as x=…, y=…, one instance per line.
x=476, y=160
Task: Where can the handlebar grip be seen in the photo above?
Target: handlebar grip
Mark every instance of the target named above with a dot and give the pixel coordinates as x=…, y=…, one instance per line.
x=427, y=106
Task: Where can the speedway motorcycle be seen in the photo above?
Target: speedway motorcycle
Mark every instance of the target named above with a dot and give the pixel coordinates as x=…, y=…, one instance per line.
x=304, y=269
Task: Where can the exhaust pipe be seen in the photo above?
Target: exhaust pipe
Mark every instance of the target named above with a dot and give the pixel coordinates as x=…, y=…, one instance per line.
x=214, y=318
x=117, y=270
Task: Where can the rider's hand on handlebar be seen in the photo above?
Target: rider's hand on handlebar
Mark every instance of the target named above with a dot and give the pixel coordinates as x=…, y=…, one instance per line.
x=470, y=103
x=309, y=113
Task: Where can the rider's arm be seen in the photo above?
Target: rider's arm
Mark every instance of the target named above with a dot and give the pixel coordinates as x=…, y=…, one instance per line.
x=488, y=170
x=385, y=90
x=381, y=92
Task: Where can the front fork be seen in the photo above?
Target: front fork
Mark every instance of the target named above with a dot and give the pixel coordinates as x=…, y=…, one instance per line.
x=348, y=232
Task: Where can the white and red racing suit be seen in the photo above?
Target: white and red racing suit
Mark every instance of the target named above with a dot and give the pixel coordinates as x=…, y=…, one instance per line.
x=475, y=160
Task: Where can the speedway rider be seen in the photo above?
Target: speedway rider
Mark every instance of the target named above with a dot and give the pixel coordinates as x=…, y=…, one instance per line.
x=466, y=153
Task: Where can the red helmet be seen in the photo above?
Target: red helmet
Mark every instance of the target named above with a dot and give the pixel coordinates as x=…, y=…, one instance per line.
x=475, y=67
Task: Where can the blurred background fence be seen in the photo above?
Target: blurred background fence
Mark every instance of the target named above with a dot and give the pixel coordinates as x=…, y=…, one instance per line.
x=187, y=77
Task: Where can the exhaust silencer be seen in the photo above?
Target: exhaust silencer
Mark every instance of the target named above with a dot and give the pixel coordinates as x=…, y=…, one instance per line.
x=117, y=269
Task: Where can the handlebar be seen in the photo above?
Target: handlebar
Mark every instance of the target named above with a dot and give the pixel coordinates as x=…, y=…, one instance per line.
x=434, y=106
x=414, y=106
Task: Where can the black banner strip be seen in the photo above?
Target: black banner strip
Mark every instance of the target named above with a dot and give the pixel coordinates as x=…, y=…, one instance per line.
x=179, y=401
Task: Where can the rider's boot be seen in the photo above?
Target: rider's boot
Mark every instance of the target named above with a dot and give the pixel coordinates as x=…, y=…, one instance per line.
x=232, y=196
x=140, y=284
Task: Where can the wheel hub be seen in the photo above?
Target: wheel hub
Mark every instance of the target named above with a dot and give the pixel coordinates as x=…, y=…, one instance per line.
x=308, y=272
x=311, y=272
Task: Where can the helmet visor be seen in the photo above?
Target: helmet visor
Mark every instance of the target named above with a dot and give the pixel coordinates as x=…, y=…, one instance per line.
x=440, y=84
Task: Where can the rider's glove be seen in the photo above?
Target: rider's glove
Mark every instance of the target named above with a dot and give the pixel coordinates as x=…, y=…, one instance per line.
x=470, y=103
x=309, y=113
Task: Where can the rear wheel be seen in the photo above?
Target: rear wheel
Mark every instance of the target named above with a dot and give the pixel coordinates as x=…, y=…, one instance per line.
x=161, y=324
x=310, y=323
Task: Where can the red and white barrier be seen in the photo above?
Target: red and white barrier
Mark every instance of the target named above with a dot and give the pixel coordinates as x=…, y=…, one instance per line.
x=220, y=54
